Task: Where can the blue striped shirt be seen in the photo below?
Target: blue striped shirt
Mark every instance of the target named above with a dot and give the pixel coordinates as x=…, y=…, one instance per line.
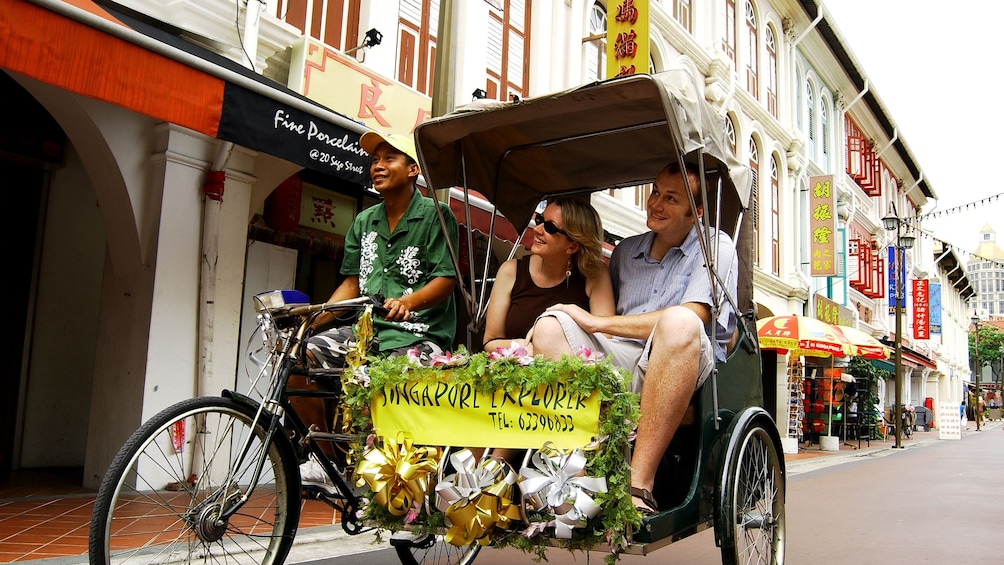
x=643, y=284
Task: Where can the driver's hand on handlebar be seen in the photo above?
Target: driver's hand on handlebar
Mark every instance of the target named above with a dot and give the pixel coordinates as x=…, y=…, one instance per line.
x=397, y=310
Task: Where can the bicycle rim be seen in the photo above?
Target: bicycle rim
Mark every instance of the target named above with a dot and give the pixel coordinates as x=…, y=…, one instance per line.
x=161, y=499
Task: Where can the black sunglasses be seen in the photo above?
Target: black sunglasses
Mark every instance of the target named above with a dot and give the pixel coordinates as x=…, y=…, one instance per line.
x=549, y=226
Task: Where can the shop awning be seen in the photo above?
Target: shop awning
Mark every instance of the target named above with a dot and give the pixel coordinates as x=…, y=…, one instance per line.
x=883, y=364
x=911, y=358
x=86, y=49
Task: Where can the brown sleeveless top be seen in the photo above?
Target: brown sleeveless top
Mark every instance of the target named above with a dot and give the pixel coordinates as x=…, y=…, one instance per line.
x=527, y=300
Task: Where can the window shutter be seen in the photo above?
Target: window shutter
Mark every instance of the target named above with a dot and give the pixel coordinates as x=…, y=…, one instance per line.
x=854, y=275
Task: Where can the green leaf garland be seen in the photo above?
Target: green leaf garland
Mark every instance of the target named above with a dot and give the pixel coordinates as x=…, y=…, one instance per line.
x=605, y=456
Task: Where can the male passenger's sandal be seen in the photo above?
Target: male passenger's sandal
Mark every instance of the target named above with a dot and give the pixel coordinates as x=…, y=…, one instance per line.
x=650, y=506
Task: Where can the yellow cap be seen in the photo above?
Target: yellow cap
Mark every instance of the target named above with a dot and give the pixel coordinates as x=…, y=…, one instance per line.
x=405, y=144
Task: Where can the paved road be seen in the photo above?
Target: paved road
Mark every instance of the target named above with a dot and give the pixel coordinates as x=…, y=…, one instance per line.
x=941, y=502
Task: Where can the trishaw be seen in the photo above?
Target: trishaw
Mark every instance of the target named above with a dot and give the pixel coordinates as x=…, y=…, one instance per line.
x=228, y=488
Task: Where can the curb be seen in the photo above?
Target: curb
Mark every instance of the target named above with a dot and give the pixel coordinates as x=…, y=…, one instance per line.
x=822, y=461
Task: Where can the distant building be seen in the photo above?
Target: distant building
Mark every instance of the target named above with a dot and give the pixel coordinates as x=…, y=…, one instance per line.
x=986, y=269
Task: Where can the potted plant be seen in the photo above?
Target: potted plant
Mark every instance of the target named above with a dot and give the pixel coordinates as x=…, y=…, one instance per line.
x=866, y=375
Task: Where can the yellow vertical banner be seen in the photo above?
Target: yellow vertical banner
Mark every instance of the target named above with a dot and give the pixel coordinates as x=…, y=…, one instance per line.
x=627, y=37
x=823, y=226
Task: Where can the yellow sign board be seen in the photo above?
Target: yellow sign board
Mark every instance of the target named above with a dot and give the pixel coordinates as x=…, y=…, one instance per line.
x=823, y=226
x=439, y=412
x=627, y=37
x=339, y=82
x=832, y=313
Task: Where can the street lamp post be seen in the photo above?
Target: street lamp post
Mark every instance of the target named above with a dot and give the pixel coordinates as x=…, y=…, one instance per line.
x=977, y=414
x=903, y=242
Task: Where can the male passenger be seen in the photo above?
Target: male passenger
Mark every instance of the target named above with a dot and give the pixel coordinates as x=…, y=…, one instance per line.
x=660, y=331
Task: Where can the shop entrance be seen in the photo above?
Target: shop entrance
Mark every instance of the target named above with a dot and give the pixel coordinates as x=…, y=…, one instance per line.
x=22, y=186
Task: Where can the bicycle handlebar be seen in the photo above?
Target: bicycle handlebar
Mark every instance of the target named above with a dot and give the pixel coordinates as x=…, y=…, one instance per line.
x=376, y=301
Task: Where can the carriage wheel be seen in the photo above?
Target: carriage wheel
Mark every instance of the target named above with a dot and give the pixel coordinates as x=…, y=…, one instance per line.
x=433, y=550
x=755, y=504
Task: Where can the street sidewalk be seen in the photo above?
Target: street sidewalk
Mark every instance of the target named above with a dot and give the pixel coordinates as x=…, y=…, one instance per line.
x=811, y=458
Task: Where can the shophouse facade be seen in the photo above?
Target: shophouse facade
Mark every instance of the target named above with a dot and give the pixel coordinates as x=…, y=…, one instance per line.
x=140, y=281
x=950, y=333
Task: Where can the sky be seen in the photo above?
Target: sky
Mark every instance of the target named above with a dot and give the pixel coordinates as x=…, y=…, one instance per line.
x=936, y=67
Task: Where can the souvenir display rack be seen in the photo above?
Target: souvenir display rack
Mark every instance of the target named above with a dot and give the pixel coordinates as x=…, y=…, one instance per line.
x=796, y=397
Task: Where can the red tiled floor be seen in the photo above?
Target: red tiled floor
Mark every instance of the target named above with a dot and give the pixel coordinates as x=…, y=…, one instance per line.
x=45, y=513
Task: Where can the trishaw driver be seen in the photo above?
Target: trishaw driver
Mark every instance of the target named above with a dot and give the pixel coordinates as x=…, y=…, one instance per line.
x=397, y=250
x=664, y=299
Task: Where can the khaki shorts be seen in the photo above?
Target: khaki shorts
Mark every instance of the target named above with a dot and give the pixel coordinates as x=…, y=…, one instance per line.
x=629, y=354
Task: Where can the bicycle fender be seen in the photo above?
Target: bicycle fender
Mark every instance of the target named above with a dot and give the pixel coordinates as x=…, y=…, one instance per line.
x=742, y=422
x=240, y=398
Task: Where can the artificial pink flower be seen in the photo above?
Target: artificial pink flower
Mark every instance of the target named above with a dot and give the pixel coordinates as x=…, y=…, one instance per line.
x=534, y=529
x=588, y=355
x=515, y=352
x=413, y=356
x=412, y=516
x=447, y=359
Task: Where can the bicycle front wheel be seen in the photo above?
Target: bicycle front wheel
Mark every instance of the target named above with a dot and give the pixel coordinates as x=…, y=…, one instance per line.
x=164, y=496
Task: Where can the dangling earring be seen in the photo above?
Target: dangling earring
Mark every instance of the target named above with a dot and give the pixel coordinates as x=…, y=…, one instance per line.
x=568, y=271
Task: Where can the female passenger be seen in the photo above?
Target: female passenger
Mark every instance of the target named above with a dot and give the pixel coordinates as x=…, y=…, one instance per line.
x=565, y=266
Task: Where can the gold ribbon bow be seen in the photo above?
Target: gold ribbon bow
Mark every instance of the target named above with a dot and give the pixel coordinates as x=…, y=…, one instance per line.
x=398, y=472
x=552, y=484
x=476, y=499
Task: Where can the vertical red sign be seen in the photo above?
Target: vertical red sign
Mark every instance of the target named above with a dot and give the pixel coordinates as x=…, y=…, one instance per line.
x=921, y=310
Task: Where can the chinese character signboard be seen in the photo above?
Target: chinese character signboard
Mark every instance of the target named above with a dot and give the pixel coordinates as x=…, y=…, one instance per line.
x=832, y=313
x=920, y=310
x=934, y=294
x=823, y=226
x=326, y=210
x=627, y=37
x=341, y=83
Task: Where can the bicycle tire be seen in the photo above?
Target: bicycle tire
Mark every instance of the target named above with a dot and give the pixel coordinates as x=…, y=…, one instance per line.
x=755, y=503
x=152, y=508
x=433, y=550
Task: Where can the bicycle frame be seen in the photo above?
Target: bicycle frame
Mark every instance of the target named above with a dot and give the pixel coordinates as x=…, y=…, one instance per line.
x=284, y=361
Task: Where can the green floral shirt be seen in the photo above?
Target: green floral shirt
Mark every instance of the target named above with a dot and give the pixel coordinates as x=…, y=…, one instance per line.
x=398, y=264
